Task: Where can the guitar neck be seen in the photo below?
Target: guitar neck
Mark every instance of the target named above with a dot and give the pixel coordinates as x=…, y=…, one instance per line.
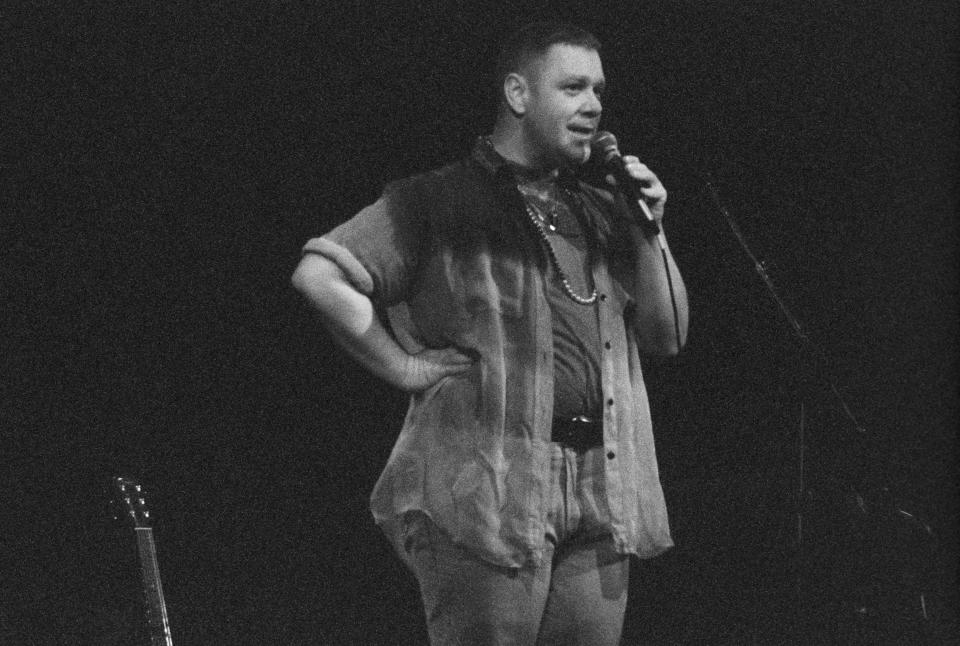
x=156, y=607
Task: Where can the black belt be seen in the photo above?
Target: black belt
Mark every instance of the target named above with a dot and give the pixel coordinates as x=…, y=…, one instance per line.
x=579, y=433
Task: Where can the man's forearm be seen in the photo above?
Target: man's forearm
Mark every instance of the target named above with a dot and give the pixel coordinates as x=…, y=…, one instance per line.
x=350, y=318
x=662, y=312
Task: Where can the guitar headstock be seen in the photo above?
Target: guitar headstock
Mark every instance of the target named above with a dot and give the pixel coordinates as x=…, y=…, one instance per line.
x=131, y=503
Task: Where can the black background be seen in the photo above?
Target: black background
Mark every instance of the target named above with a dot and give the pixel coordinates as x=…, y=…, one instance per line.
x=162, y=164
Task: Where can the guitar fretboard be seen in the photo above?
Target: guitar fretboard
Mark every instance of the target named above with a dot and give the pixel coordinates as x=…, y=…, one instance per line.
x=156, y=607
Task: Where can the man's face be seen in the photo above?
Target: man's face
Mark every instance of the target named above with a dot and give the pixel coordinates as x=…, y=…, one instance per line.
x=563, y=106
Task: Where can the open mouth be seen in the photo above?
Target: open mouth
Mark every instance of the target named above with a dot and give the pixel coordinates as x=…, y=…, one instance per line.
x=586, y=131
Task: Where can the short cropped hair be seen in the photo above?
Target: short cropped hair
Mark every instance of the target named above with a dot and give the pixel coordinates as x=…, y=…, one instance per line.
x=533, y=40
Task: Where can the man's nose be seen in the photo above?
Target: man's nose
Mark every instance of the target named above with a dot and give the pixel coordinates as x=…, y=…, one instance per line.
x=592, y=105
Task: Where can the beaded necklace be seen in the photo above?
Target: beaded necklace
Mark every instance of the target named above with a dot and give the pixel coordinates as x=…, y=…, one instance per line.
x=540, y=222
x=540, y=226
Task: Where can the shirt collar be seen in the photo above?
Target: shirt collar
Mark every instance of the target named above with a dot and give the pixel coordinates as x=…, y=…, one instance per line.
x=489, y=159
x=493, y=162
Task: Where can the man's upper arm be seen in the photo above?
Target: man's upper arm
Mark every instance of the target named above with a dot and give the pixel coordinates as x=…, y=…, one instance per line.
x=377, y=250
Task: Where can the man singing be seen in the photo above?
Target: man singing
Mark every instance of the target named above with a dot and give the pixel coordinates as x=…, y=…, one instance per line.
x=513, y=301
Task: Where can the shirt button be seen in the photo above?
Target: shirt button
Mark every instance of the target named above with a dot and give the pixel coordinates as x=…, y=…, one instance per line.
x=609, y=402
x=611, y=455
x=607, y=345
x=603, y=297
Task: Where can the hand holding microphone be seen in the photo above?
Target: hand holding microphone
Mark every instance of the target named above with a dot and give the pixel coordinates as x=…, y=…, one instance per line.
x=639, y=185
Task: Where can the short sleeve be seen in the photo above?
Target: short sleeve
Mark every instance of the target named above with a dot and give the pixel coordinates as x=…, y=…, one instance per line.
x=385, y=238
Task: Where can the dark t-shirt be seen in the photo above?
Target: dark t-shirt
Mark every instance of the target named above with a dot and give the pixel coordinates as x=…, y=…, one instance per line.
x=576, y=331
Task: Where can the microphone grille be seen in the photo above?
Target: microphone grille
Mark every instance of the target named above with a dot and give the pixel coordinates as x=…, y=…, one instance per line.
x=606, y=144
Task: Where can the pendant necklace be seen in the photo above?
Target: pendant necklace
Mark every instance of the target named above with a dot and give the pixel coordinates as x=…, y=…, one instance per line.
x=541, y=224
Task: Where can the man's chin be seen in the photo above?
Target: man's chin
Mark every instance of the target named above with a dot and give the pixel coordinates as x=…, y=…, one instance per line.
x=577, y=154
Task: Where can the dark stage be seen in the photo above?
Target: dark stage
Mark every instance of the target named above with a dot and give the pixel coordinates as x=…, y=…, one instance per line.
x=162, y=164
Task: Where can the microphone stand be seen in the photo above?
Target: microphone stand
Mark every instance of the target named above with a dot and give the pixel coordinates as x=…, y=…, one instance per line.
x=819, y=358
x=805, y=342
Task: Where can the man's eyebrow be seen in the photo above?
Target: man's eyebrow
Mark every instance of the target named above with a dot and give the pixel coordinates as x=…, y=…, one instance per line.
x=584, y=80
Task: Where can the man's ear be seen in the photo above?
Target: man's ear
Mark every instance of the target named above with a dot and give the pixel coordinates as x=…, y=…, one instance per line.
x=515, y=91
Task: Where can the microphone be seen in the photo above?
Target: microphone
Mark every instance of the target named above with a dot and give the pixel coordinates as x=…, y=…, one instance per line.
x=605, y=145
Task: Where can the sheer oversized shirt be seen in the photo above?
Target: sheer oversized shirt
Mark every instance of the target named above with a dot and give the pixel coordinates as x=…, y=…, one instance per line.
x=452, y=259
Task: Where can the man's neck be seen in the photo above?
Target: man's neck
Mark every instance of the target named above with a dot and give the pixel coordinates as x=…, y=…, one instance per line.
x=510, y=147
